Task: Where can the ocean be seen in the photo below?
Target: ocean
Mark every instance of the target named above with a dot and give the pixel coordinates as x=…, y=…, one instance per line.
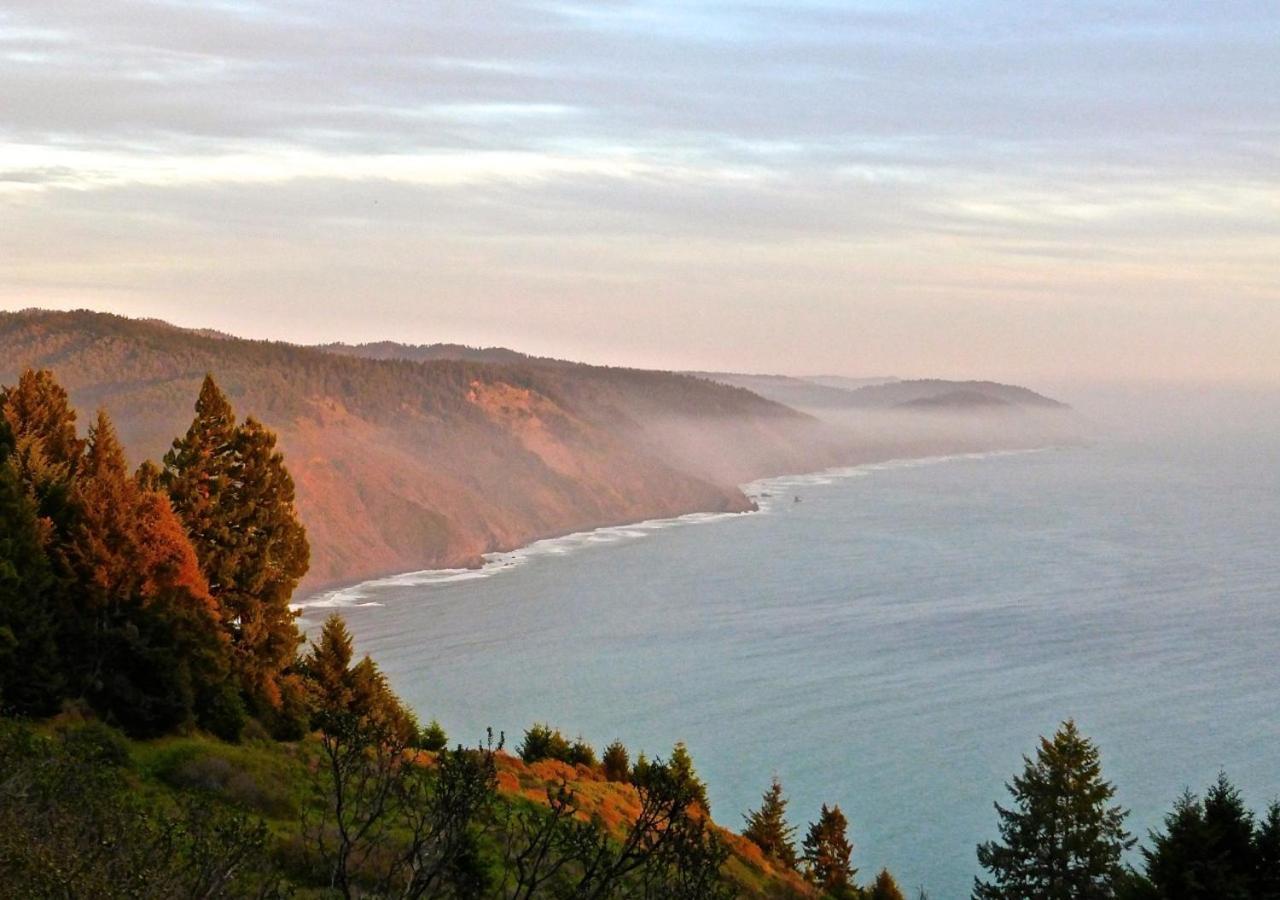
x=894, y=637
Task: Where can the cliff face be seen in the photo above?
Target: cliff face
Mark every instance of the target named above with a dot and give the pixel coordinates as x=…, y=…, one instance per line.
x=406, y=465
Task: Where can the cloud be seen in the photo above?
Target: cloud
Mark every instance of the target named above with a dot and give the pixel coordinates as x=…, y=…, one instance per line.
x=804, y=150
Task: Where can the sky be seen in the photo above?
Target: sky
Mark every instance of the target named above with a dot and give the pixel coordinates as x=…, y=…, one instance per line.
x=1021, y=191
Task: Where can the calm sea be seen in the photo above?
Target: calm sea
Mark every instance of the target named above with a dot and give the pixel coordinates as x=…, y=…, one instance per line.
x=896, y=640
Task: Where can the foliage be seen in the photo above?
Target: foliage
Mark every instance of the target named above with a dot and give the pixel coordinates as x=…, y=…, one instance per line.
x=767, y=827
x=433, y=737
x=885, y=887
x=1062, y=839
x=826, y=853
x=235, y=497
x=616, y=762
x=70, y=825
x=1211, y=849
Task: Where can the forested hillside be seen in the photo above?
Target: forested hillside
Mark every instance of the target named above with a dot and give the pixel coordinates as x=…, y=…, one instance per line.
x=405, y=465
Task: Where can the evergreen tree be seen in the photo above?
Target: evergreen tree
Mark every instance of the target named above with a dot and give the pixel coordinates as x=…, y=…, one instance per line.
x=885, y=888
x=681, y=766
x=46, y=450
x=827, y=853
x=349, y=700
x=767, y=827
x=1061, y=840
x=1266, y=845
x=233, y=493
x=142, y=635
x=31, y=678
x=1208, y=849
x=617, y=763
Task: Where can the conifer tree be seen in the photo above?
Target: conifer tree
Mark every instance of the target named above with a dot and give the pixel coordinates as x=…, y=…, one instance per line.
x=681, y=767
x=1208, y=849
x=827, y=853
x=885, y=888
x=142, y=634
x=1062, y=839
x=31, y=678
x=46, y=449
x=617, y=763
x=1266, y=880
x=767, y=827
x=233, y=493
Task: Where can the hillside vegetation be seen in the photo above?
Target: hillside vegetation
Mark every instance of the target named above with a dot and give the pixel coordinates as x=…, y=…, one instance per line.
x=404, y=465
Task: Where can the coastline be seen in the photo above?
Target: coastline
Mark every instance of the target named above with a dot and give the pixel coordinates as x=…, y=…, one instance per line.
x=761, y=492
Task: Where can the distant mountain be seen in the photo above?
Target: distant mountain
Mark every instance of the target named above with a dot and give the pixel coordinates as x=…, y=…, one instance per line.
x=848, y=384
x=934, y=392
x=956, y=400
x=800, y=393
x=405, y=465
x=835, y=393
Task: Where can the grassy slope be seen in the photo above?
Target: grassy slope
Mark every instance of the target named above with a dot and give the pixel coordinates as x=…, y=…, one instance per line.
x=271, y=781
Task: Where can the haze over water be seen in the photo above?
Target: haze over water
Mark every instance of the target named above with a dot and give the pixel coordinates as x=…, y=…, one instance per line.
x=896, y=640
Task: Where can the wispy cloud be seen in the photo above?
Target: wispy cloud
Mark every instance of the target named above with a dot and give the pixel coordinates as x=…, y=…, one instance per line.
x=854, y=161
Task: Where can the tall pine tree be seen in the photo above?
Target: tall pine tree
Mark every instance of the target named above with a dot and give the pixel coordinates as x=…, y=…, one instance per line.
x=1062, y=839
x=142, y=636
x=827, y=854
x=31, y=678
x=233, y=493
x=767, y=827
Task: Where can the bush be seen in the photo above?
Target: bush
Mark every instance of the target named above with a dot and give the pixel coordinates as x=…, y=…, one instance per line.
x=224, y=713
x=96, y=743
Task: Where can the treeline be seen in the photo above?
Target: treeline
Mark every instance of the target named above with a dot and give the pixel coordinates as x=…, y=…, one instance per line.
x=155, y=599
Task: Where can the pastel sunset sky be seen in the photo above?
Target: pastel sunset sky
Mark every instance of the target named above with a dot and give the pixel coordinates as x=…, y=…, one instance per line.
x=1019, y=191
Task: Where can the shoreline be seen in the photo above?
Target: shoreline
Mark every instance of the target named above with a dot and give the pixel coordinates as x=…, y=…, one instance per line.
x=758, y=490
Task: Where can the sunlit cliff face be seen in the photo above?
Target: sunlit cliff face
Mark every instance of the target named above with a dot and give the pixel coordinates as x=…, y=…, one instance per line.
x=985, y=189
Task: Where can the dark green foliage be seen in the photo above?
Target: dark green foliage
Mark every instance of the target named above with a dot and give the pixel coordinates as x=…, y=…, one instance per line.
x=229, y=486
x=1062, y=839
x=31, y=675
x=767, y=827
x=70, y=826
x=681, y=766
x=433, y=737
x=827, y=853
x=617, y=763
x=543, y=742
x=1267, y=859
x=1211, y=849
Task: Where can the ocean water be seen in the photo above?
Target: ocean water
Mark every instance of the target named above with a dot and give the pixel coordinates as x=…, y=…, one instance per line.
x=899, y=638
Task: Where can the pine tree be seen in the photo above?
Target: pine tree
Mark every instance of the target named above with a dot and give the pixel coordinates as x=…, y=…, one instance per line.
x=767, y=827
x=681, y=766
x=31, y=678
x=1266, y=848
x=142, y=635
x=352, y=700
x=827, y=853
x=1061, y=840
x=46, y=449
x=617, y=763
x=233, y=493
x=1208, y=848
x=885, y=888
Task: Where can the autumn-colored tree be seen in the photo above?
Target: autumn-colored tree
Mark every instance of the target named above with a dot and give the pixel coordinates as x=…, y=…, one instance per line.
x=1062, y=839
x=46, y=450
x=767, y=827
x=233, y=493
x=827, y=852
x=142, y=635
x=885, y=887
